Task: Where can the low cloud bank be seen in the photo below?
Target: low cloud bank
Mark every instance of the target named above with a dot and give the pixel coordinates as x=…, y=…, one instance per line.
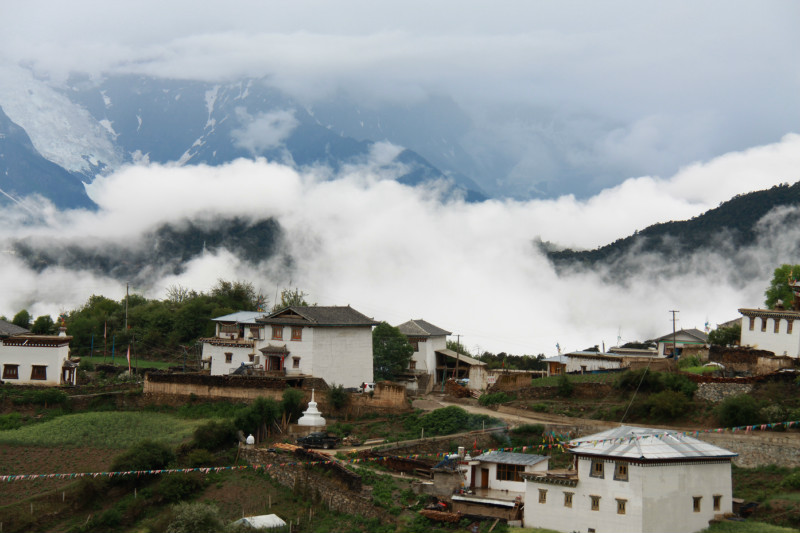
x=398, y=253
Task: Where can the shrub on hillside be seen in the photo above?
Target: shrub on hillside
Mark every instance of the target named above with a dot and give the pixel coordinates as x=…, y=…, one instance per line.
x=195, y=518
x=10, y=421
x=667, y=405
x=292, y=404
x=495, y=398
x=740, y=410
x=176, y=487
x=215, y=435
x=565, y=387
x=642, y=380
x=338, y=398
x=146, y=455
x=678, y=383
x=257, y=418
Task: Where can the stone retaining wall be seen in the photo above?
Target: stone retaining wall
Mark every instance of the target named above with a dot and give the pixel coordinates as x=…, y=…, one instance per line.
x=716, y=392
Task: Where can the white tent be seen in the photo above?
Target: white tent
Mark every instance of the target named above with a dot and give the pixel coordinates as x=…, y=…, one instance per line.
x=262, y=521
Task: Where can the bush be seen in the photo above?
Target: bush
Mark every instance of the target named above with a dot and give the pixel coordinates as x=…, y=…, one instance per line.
x=791, y=482
x=41, y=397
x=146, y=455
x=200, y=457
x=667, y=405
x=740, y=410
x=642, y=380
x=338, y=398
x=292, y=404
x=195, y=518
x=678, y=383
x=10, y=421
x=495, y=398
x=565, y=387
x=176, y=487
x=215, y=435
x=538, y=407
x=259, y=416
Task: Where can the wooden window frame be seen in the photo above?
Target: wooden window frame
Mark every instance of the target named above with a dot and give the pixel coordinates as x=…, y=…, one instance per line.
x=277, y=333
x=696, y=503
x=228, y=357
x=297, y=333
x=598, y=469
x=717, y=502
x=621, y=471
x=38, y=372
x=621, y=506
x=763, y=324
x=542, y=495
x=509, y=472
x=777, y=328
x=752, y=323
x=10, y=371
x=295, y=362
x=789, y=322
x=568, y=499
x=595, y=502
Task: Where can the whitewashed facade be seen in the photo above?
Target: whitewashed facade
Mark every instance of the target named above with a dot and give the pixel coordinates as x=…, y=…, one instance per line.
x=426, y=340
x=333, y=343
x=776, y=330
x=503, y=470
x=36, y=360
x=633, y=480
x=680, y=339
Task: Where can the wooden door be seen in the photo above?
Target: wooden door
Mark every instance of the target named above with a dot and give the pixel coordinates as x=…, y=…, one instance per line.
x=484, y=478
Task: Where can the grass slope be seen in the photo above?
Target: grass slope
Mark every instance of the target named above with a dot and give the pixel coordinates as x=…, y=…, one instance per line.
x=105, y=429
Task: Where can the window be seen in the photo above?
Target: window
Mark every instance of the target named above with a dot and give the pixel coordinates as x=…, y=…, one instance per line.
x=621, y=472
x=255, y=332
x=252, y=357
x=542, y=495
x=412, y=365
x=10, y=371
x=297, y=334
x=595, y=503
x=568, y=499
x=295, y=362
x=763, y=324
x=38, y=372
x=696, y=503
x=277, y=333
x=509, y=472
x=752, y=323
x=228, y=357
x=621, y=506
x=415, y=345
x=717, y=501
x=228, y=329
x=789, y=322
x=777, y=325
x=597, y=469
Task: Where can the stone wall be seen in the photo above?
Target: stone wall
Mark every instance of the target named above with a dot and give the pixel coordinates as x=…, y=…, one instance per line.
x=716, y=392
x=759, y=448
x=386, y=395
x=328, y=485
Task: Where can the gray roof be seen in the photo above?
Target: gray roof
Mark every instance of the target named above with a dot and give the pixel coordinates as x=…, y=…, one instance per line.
x=628, y=442
x=242, y=317
x=318, y=316
x=693, y=332
x=510, y=458
x=421, y=328
x=7, y=329
x=461, y=357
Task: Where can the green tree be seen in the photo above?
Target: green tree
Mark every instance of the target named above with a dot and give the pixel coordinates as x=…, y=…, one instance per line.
x=740, y=410
x=779, y=286
x=726, y=336
x=238, y=295
x=338, y=398
x=291, y=298
x=258, y=418
x=292, y=404
x=458, y=348
x=22, y=319
x=391, y=351
x=43, y=325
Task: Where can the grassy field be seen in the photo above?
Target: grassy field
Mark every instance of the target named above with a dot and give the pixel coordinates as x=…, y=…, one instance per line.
x=105, y=429
x=552, y=381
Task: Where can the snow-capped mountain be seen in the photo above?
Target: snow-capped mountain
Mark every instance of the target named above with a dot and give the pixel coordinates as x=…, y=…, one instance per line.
x=89, y=126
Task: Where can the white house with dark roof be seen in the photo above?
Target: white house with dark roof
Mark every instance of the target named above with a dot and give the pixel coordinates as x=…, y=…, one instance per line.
x=329, y=342
x=28, y=359
x=679, y=340
x=426, y=339
x=776, y=330
x=630, y=480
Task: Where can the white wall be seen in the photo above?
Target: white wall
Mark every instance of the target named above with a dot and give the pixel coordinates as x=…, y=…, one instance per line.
x=497, y=484
x=778, y=343
x=659, y=499
x=342, y=356
x=425, y=356
x=53, y=357
x=240, y=354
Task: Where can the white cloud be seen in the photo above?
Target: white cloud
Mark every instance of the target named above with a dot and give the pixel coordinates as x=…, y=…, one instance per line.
x=264, y=130
x=398, y=253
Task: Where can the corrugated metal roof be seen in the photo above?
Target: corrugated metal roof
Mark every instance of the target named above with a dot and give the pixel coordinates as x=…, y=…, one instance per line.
x=510, y=458
x=242, y=317
x=646, y=443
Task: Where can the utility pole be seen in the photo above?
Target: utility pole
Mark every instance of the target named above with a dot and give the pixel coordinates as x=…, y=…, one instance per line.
x=458, y=345
x=674, y=355
x=126, y=307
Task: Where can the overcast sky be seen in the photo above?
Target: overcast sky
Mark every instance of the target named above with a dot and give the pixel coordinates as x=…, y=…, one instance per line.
x=662, y=110
x=580, y=95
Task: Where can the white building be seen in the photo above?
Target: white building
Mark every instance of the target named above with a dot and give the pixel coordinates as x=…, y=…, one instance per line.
x=679, y=340
x=35, y=359
x=776, y=330
x=632, y=480
x=426, y=340
x=333, y=343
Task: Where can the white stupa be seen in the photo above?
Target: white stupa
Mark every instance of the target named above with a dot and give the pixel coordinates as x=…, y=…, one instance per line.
x=311, y=416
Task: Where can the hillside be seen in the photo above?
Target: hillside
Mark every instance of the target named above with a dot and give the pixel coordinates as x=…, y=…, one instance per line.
x=733, y=224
